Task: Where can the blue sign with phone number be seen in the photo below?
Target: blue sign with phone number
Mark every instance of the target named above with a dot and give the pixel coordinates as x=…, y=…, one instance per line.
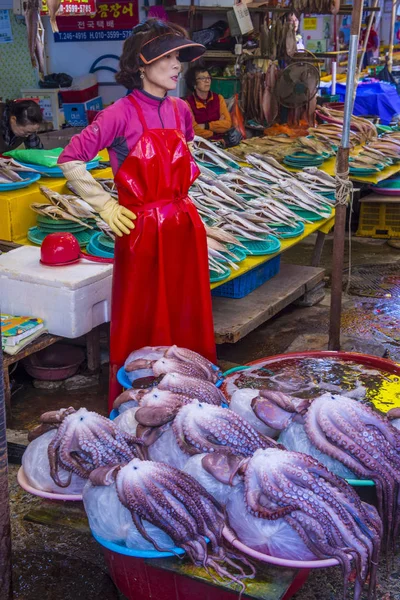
x=92, y=36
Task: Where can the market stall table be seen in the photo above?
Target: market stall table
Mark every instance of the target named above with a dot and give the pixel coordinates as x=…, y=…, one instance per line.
x=16, y=216
x=235, y=318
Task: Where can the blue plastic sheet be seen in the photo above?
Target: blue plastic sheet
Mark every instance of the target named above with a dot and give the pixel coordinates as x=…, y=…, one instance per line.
x=374, y=98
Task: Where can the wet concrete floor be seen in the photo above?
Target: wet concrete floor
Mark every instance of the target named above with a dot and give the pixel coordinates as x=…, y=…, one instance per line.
x=56, y=544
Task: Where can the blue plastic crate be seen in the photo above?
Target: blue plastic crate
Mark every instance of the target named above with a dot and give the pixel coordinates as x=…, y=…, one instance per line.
x=76, y=114
x=248, y=282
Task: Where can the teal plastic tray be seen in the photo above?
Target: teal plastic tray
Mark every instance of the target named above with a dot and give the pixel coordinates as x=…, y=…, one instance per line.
x=106, y=242
x=307, y=214
x=269, y=246
x=287, y=232
x=215, y=277
x=97, y=249
x=56, y=171
x=238, y=251
x=28, y=179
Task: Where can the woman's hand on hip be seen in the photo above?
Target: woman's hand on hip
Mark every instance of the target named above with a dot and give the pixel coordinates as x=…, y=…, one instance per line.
x=118, y=217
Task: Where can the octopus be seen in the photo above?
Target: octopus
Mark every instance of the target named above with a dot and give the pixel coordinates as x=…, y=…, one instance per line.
x=84, y=440
x=353, y=434
x=152, y=361
x=322, y=513
x=172, y=392
x=202, y=428
x=173, y=501
x=196, y=428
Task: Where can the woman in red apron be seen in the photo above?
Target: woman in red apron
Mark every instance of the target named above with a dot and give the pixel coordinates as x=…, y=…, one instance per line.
x=161, y=289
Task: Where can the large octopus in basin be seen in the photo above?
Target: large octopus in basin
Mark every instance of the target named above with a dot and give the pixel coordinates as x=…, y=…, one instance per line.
x=156, y=361
x=324, y=515
x=170, y=394
x=173, y=501
x=195, y=428
x=355, y=435
x=84, y=440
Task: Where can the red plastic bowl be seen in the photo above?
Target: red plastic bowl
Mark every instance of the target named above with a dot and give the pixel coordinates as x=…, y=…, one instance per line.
x=60, y=248
x=54, y=363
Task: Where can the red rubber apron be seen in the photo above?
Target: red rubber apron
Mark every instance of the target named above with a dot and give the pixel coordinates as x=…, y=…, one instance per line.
x=161, y=286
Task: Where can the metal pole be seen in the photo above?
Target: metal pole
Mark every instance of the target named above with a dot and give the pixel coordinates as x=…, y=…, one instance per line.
x=342, y=168
x=391, y=42
x=5, y=528
x=336, y=48
x=364, y=48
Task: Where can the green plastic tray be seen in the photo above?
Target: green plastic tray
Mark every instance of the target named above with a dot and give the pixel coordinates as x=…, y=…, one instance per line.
x=36, y=236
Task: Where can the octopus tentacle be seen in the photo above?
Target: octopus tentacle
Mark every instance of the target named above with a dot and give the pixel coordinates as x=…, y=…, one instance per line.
x=203, y=428
x=84, y=441
x=366, y=443
x=186, y=355
x=325, y=512
x=196, y=388
x=173, y=501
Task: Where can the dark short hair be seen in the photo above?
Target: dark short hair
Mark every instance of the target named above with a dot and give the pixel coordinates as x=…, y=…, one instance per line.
x=130, y=62
x=26, y=112
x=191, y=74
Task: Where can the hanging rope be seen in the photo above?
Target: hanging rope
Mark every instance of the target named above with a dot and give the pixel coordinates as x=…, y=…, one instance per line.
x=344, y=195
x=344, y=188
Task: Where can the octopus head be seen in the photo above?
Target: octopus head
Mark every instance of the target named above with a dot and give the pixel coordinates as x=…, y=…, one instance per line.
x=86, y=440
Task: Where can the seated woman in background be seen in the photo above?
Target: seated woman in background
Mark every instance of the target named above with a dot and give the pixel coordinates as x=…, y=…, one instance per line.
x=19, y=123
x=211, y=118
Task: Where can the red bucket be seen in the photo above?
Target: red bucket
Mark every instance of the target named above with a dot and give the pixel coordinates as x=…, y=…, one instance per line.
x=138, y=580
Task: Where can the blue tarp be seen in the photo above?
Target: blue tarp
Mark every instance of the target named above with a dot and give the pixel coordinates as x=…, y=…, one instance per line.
x=374, y=98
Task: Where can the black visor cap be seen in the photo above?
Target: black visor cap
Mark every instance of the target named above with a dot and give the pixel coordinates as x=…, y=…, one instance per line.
x=165, y=44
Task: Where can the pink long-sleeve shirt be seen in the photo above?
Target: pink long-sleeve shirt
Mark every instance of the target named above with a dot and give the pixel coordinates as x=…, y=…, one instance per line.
x=118, y=128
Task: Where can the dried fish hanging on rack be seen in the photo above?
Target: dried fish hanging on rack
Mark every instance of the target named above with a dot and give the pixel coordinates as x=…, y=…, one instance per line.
x=316, y=6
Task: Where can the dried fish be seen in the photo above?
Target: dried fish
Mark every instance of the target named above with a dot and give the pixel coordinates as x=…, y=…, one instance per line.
x=54, y=7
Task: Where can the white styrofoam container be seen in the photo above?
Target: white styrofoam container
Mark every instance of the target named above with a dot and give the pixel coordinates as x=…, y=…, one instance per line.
x=71, y=300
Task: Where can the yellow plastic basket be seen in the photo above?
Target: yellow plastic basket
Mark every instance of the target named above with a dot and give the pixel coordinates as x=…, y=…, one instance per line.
x=379, y=220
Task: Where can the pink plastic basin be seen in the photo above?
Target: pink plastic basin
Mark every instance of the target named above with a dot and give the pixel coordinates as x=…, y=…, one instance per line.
x=280, y=562
x=23, y=482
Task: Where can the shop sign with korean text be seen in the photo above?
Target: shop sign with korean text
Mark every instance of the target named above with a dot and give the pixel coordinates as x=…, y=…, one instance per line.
x=113, y=21
x=70, y=8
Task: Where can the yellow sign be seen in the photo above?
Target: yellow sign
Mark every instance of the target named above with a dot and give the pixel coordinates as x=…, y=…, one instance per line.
x=310, y=23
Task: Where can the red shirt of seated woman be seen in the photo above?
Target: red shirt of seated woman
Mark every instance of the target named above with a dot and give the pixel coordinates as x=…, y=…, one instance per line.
x=211, y=118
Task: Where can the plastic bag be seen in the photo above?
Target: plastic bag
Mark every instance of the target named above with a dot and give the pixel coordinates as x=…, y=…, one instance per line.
x=43, y=158
x=110, y=520
x=219, y=490
x=396, y=423
x=232, y=137
x=166, y=450
x=241, y=404
x=146, y=353
x=126, y=420
x=56, y=80
x=237, y=117
x=295, y=438
x=36, y=465
x=275, y=538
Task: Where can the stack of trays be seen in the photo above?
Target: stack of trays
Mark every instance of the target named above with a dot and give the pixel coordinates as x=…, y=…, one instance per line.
x=46, y=225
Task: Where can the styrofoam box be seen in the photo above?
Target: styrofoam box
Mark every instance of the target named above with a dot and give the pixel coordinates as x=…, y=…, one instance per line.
x=71, y=300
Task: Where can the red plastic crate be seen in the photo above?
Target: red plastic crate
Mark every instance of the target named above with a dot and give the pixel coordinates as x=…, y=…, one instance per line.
x=79, y=96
